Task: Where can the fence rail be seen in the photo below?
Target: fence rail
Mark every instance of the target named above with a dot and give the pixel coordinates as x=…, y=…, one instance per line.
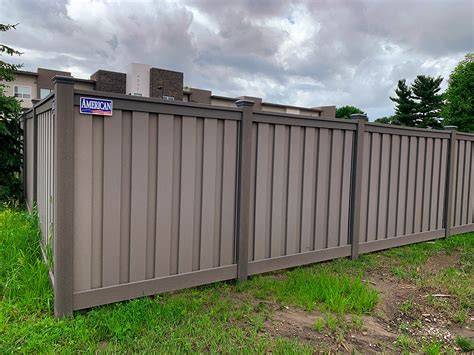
x=166, y=195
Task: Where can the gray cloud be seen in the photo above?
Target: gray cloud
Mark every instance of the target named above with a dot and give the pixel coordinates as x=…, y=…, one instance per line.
x=297, y=52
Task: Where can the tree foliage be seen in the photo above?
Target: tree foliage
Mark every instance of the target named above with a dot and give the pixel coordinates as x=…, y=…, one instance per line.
x=10, y=131
x=404, y=104
x=459, y=108
x=388, y=120
x=347, y=111
x=418, y=105
x=428, y=101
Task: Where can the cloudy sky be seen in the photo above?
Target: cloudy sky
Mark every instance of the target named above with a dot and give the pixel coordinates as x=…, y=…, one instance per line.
x=308, y=53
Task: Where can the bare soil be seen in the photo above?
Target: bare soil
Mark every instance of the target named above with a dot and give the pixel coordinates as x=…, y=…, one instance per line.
x=403, y=308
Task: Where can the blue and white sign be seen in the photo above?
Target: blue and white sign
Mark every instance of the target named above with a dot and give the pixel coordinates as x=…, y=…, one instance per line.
x=90, y=106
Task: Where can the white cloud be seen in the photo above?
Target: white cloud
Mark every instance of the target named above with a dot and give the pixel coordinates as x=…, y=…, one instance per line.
x=301, y=52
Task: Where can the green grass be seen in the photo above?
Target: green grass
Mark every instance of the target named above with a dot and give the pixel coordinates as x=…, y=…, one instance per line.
x=465, y=344
x=223, y=317
x=308, y=289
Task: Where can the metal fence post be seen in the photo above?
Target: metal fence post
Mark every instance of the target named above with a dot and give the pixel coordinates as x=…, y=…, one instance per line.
x=448, y=198
x=356, y=183
x=63, y=195
x=243, y=197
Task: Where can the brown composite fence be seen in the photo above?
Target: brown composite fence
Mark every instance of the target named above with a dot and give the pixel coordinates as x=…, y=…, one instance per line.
x=167, y=195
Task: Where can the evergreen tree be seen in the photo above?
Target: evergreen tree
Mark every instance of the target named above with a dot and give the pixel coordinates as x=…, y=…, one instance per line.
x=428, y=100
x=459, y=108
x=405, y=106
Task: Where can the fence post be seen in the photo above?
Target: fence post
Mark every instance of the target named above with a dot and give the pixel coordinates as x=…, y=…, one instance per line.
x=63, y=195
x=35, y=157
x=448, y=197
x=356, y=183
x=25, y=158
x=243, y=197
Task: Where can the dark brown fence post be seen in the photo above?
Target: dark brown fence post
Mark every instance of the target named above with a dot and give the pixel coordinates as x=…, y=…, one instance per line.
x=25, y=158
x=356, y=183
x=448, y=198
x=63, y=107
x=35, y=158
x=243, y=198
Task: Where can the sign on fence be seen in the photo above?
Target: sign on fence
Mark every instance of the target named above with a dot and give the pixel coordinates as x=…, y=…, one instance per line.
x=90, y=106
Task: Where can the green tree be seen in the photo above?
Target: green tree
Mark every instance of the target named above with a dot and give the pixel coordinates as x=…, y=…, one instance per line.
x=404, y=104
x=459, y=108
x=347, y=111
x=428, y=101
x=10, y=130
x=388, y=120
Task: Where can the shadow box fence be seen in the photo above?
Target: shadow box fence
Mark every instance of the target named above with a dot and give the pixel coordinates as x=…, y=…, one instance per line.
x=163, y=195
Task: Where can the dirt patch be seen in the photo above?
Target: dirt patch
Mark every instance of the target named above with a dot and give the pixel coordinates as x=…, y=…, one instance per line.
x=404, y=311
x=440, y=261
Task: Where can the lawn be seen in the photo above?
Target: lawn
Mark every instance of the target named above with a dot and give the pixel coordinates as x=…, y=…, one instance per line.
x=417, y=298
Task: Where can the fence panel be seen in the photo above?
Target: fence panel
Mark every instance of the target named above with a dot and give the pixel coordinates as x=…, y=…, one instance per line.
x=30, y=159
x=300, y=187
x=463, y=189
x=154, y=194
x=46, y=176
x=403, y=187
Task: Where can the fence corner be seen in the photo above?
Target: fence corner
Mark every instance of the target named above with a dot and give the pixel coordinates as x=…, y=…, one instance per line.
x=243, y=197
x=63, y=195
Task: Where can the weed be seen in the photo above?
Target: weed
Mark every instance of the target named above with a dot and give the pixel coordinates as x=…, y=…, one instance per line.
x=405, y=342
x=319, y=325
x=465, y=344
x=408, y=305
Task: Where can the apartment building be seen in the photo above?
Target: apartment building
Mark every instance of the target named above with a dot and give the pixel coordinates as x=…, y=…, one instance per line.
x=147, y=81
x=30, y=86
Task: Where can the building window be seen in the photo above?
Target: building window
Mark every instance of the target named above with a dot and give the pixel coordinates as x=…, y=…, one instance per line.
x=44, y=93
x=170, y=98
x=22, y=92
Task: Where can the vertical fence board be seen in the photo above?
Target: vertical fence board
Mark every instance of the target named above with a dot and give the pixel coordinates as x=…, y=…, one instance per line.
x=346, y=188
x=277, y=231
x=459, y=182
x=208, y=193
x=97, y=199
x=442, y=183
x=365, y=187
x=253, y=174
x=307, y=211
x=112, y=202
x=198, y=193
x=428, y=177
x=384, y=186
x=320, y=231
x=420, y=171
x=466, y=179
x=228, y=193
x=435, y=185
x=374, y=187
x=176, y=193
x=403, y=185
x=139, y=196
x=218, y=195
x=186, y=213
x=82, y=200
x=164, y=194
x=261, y=191
x=334, y=188
x=393, y=186
x=151, y=198
x=292, y=231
